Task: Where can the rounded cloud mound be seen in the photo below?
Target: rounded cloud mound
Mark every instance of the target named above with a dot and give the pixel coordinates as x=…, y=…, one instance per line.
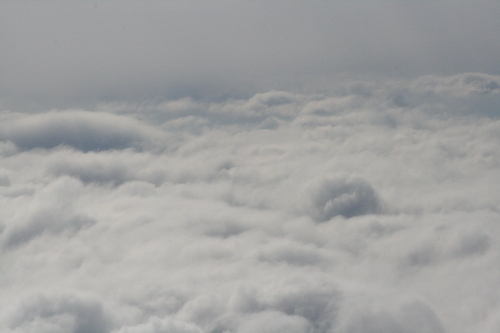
x=60, y=313
x=344, y=197
x=411, y=318
x=86, y=131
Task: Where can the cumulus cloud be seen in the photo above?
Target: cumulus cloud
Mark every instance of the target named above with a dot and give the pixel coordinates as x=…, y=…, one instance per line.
x=59, y=313
x=81, y=130
x=344, y=197
x=51, y=211
x=157, y=325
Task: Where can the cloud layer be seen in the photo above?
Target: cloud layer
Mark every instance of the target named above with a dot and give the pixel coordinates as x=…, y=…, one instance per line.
x=371, y=209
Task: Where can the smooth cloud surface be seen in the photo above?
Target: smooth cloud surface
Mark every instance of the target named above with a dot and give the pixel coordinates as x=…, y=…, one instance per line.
x=85, y=131
x=374, y=209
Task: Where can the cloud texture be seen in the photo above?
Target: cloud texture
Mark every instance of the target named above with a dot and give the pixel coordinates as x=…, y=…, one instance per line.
x=371, y=209
x=249, y=166
x=84, y=131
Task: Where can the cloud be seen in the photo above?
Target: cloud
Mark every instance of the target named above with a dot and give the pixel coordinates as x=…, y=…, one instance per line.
x=344, y=197
x=460, y=84
x=59, y=313
x=292, y=254
x=114, y=167
x=370, y=209
x=473, y=243
x=319, y=306
x=81, y=130
x=412, y=317
x=50, y=212
x=157, y=325
x=44, y=221
x=274, y=322
x=4, y=178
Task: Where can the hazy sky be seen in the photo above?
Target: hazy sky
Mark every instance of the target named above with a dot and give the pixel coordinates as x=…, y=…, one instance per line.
x=62, y=53
x=249, y=166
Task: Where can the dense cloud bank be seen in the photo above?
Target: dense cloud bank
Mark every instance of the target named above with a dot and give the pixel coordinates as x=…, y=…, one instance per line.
x=371, y=209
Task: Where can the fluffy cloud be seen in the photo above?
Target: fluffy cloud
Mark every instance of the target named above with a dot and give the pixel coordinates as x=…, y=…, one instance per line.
x=373, y=209
x=412, y=317
x=51, y=211
x=157, y=325
x=344, y=197
x=59, y=313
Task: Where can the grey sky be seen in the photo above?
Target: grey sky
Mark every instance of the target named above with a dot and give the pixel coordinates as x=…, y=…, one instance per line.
x=61, y=53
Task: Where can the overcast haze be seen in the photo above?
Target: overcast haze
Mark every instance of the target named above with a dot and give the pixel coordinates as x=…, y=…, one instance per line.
x=64, y=52
x=249, y=166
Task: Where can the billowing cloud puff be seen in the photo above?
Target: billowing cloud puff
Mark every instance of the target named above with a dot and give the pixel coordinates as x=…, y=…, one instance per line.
x=344, y=197
x=85, y=131
x=51, y=211
x=58, y=314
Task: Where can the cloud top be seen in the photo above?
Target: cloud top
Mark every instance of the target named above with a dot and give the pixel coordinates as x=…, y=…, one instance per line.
x=81, y=130
x=342, y=197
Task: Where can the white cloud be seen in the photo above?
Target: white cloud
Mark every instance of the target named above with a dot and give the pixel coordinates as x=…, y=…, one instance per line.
x=59, y=313
x=344, y=197
x=51, y=211
x=78, y=129
x=412, y=317
x=372, y=209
